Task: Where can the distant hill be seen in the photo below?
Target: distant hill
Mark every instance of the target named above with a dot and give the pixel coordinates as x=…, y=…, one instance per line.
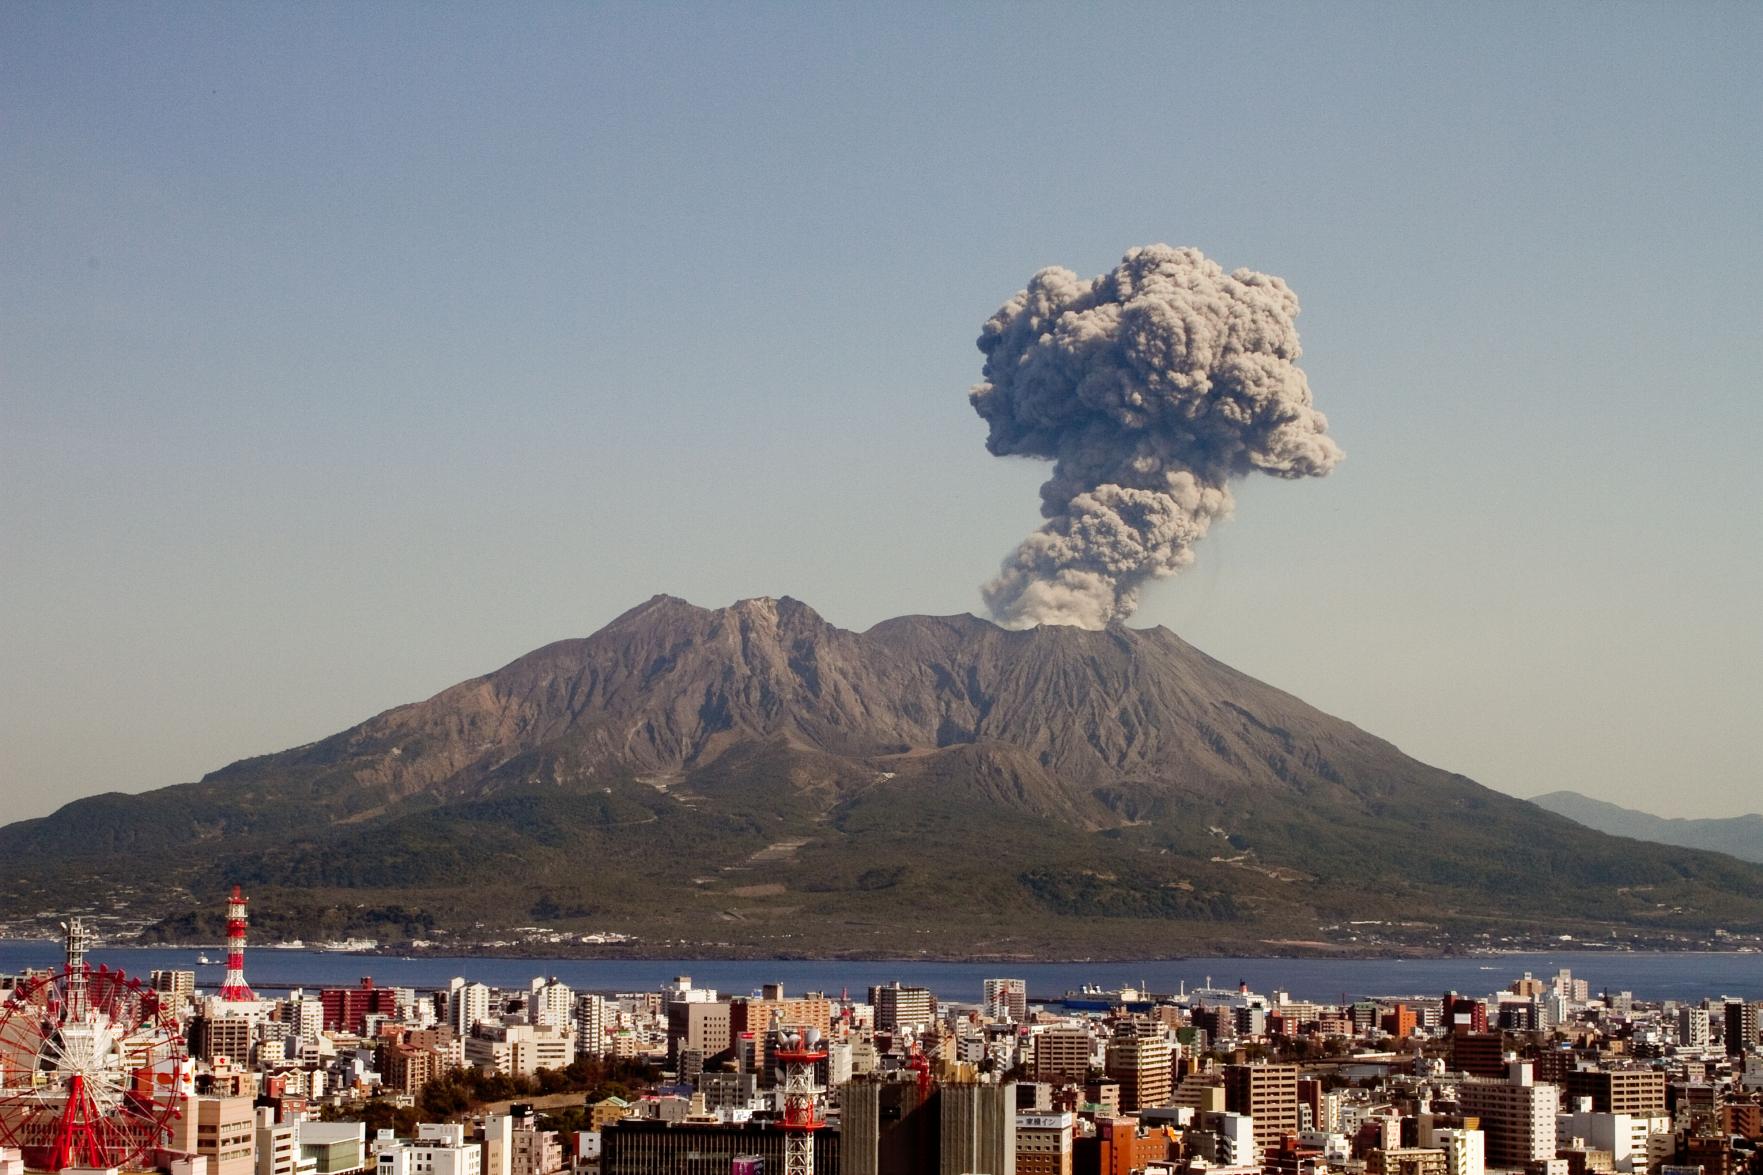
x=754, y=779
x=1739, y=836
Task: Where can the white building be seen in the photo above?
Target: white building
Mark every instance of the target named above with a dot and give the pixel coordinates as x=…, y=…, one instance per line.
x=519, y=1050
x=1517, y=1116
x=440, y=1148
x=467, y=1003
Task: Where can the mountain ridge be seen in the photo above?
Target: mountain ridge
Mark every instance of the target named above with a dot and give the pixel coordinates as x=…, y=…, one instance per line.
x=754, y=778
x=1736, y=836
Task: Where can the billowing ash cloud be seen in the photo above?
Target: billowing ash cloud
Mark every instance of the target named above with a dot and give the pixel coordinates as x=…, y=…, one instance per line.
x=1150, y=388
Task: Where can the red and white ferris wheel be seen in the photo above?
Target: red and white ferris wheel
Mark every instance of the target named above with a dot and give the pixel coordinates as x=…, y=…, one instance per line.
x=92, y=1066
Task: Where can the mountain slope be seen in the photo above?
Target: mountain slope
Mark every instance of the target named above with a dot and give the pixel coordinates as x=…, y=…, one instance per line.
x=753, y=778
x=1738, y=836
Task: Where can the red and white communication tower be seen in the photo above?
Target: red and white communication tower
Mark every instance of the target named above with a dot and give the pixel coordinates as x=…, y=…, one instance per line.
x=234, y=989
x=799, y=1057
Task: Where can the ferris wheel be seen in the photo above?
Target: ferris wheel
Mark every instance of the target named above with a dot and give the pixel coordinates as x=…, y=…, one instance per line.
x=91, y=1066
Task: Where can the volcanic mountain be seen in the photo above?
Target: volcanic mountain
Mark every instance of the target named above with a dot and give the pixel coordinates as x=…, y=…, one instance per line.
x=754, y=779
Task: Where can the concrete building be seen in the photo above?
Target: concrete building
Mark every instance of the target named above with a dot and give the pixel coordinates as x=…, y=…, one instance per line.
x=278, y=1146
x=590, y=1025
x=519, y=1050
x=213, y=1038
x=1062, y=1054
x=440, y=1148
x=1517, y=1116
x=467, y=1003
x=1465, y=1150
x=1742, y=1024
x=1006, y=999
x=334, y=1148
x=346, y=1009
x=899, y=1007
x=1625, y=1137
x=551, y=1004
x=1694, y=1029
x=977, y=1128
x=1269, y=1095
x=1406, y=1160
x=1637, y=1092
x=1044, y=1143
x=222, y=1129
x=535, y=1152
x=885, y=1126
x=634, y=1147
x=1141, y=1060
x=700, y=1026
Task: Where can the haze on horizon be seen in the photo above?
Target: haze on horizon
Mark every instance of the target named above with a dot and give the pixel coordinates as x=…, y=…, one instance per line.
x=349, y=352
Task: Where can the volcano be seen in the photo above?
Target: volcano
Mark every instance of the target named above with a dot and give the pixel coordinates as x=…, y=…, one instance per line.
x=753, y=779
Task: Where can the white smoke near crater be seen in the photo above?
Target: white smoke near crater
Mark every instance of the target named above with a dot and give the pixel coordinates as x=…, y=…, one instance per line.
x=1149, y=388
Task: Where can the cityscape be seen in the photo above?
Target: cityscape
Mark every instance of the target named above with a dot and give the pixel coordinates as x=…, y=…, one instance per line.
x=1548, y=1075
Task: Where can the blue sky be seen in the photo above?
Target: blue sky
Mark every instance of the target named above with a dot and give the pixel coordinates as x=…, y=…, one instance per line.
x=347, y=351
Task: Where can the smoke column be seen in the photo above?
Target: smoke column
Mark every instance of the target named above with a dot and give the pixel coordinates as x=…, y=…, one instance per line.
x=1149, y=388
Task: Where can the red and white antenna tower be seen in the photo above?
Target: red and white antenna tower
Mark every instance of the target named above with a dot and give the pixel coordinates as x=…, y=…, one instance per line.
x=802, y=1117
x=234, y=989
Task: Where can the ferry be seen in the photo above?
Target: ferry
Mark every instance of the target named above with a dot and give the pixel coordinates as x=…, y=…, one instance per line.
x=1093, y=998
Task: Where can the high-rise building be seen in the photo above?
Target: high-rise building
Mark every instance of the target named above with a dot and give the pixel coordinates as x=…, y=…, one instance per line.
x=215, y=1036
x=177, y=989
x=467, y=1003
x=1007, y=999
x=899, y=1007
x=304, y=1016
x=1044, y=1143
x=1480, y=1054
x=1461, y=1014
x=1741, y=1027
x=1062, y=1054
x=1517, y=1115
x=346, y=1009
x=1141, y=1060
x=551, y=1003
x=977, y=1128
x=1637, y=1092
x=1694, y=1030
x=590, y=1025
x=1269, y=1095
x=699, y=1025
x=222, y=1129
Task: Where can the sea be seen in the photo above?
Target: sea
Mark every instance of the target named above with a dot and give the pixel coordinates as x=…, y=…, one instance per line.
x=1682, y=976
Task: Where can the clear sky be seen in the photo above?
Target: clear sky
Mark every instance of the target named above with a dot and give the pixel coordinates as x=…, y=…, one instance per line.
x=351, y=350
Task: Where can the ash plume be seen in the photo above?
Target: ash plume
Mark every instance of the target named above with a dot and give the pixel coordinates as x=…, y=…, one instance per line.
x=1149, y=387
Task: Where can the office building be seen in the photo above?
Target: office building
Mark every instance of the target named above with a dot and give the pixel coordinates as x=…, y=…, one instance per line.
x=1269, y=1095
x=1517, y=1116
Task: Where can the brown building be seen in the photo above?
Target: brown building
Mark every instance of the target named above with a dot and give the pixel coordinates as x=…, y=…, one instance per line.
x=1061, y=1055
x=407, y=1068
x=698, y=1026
x=1742, y=1118
x=1637, y=1092
x=1044, y=1143
x=221, y=1036
x=1406, y=1161
x=1267, y=1093
x=1479, y=1054
x=1141, y=1060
